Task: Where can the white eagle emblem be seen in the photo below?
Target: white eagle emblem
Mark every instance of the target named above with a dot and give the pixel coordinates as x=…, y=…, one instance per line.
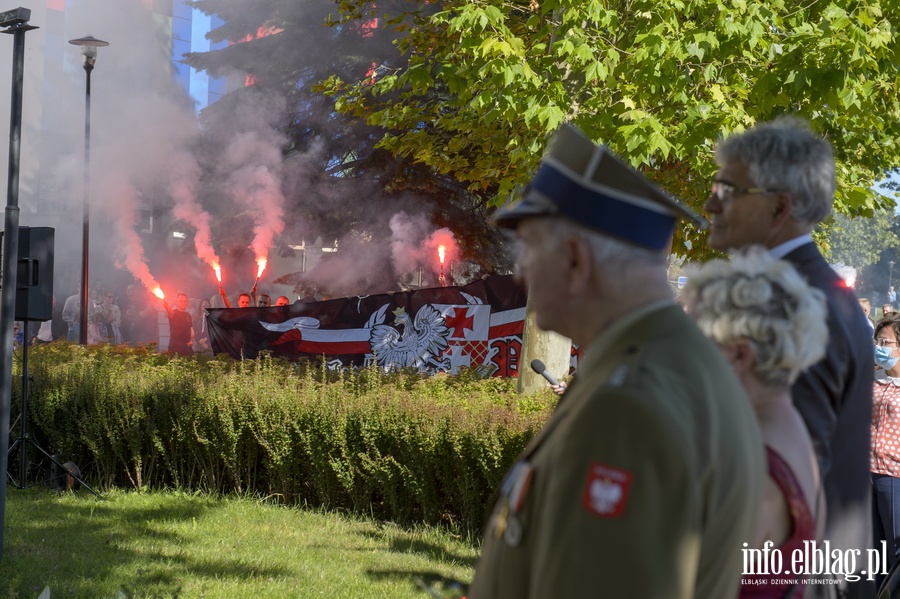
x=605, y=495
x=299, y=323
x=415, y=344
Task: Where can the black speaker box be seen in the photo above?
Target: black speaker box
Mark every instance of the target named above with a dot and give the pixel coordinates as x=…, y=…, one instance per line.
x=34, y=273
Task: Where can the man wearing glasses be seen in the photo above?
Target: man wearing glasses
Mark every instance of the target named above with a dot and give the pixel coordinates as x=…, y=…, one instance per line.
x=775, y=183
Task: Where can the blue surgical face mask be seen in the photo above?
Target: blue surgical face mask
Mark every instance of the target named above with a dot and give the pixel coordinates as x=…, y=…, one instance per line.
x=884, y=359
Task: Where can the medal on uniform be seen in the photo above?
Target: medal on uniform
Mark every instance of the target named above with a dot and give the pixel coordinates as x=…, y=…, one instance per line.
x=513, y=533
x=520, y=486
x=514, y=490
x=500, y=519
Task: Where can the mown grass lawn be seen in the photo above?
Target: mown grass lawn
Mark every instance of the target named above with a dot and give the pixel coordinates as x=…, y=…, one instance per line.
x=173, y=544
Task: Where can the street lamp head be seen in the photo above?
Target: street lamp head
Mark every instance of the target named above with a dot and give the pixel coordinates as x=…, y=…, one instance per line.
x=14, y=17
x=89, y=45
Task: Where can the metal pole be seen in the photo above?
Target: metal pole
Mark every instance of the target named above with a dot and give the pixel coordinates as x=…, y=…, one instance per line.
x=10, y=255
x=85, y=235
x=23, y=417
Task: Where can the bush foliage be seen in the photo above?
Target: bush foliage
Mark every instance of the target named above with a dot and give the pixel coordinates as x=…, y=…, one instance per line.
x=399, y=446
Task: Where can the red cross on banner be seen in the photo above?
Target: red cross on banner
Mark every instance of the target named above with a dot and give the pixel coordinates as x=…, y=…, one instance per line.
x=460, y=321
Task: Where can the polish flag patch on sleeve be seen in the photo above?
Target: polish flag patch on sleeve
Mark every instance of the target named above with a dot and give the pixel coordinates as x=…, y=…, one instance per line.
x=606, y=491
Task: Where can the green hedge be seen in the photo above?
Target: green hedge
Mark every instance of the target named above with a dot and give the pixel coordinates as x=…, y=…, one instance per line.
x=398, y=446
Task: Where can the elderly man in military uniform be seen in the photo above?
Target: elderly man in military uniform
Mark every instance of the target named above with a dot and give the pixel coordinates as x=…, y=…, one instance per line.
x=646, y=480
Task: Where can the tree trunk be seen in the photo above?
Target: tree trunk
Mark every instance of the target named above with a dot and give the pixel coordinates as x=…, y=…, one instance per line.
x=550, y=348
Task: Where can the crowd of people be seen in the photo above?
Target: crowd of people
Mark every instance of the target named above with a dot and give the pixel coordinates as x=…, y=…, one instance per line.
x=721, y=449
x=135, y=318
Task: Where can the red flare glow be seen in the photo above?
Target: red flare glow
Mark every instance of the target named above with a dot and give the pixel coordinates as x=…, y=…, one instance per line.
x=218, y=270
x=158, y=292
x=441, y=251
x=262, y=266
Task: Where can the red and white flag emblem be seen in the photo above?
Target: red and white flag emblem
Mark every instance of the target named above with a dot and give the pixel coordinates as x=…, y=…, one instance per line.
x=606, y=491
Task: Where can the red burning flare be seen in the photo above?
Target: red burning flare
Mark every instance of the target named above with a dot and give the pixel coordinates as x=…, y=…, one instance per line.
x=218, y=269
x=262, y=266
x=158, y=292
x=441, y=253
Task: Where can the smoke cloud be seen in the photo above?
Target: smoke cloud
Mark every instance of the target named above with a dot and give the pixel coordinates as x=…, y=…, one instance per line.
x=847, y=273
x=184, y=175
x=255, y=182
x=131, y=255
x=415, y=245
x=157, y=169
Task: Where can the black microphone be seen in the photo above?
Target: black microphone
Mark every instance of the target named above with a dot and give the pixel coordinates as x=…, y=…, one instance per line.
x=539, y=368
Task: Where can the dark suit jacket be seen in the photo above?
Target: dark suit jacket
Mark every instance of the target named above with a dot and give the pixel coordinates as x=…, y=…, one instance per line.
x=835, y=399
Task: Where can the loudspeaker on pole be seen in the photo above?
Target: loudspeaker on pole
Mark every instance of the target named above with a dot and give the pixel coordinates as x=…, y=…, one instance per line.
x=34, y=274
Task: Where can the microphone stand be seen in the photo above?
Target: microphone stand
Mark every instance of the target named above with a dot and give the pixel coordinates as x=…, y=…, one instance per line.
x=26, y=437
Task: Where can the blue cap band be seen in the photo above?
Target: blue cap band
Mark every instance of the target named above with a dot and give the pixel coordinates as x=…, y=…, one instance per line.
x=594, y=209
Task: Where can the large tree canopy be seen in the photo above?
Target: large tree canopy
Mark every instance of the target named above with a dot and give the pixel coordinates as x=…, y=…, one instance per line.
x=485, y=81
x=861, y=242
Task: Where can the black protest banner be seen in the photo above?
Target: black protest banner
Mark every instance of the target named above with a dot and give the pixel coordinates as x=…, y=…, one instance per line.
x=439, y=329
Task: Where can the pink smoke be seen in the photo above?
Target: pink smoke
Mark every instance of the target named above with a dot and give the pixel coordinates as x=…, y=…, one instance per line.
x=184, y=174
x=131, y=250
x=256, y=183
x=407, y=234
x=415, y=245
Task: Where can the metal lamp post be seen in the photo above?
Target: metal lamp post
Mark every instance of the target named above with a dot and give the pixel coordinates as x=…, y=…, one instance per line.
x=890, y=274
x=14, y=22
x=89, y=45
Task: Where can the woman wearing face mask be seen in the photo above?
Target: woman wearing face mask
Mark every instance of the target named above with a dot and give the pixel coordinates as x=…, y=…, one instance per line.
x=886, y=437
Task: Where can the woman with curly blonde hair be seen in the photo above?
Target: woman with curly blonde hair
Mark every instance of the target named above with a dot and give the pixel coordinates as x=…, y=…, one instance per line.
x=771, y=326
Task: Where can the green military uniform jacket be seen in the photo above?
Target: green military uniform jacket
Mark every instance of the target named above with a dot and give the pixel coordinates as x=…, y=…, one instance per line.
x=644, y=483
